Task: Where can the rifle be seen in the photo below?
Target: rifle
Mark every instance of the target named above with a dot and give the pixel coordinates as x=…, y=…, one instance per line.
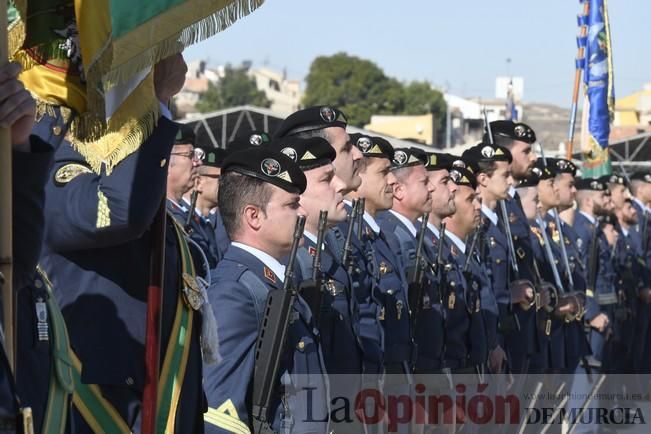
x=312, y=290
x=645, y=234
x=557, y=220
x=593, y=258
x=193, y=205
x=361, y=204
x=466, y=266
x=271, y=339
x=415, y=290
x=348, y=249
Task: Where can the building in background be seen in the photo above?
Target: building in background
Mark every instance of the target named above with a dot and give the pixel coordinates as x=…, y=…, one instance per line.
x=632, y=114
x=285, y=95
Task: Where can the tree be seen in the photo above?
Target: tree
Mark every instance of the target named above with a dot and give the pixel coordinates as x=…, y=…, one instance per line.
x=356, y=86
x=234, y=89
x=420, y=99
x=360, y=88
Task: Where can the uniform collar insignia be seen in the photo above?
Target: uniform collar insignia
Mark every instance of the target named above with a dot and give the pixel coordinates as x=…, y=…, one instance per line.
x=269, y=274
x=312, y=251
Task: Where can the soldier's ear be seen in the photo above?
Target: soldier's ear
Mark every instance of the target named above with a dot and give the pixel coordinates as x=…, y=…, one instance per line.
x=482, y=179
x=252, y=217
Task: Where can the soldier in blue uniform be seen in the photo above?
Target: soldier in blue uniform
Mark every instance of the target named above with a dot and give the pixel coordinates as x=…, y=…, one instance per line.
x=97, y=253
x=259, y=195
x=577, y=347
x=31, y=159
x=473, y=299
x=432, y=345
x=330, y=123
x=514, y=296
x=183, y=172
x=641, y=232
x=594, y=248
x=202, y=227
x=338, y=312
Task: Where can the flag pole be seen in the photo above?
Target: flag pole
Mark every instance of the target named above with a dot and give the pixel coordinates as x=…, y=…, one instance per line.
x=6, y=227
x=577, y=83
x=153, y=322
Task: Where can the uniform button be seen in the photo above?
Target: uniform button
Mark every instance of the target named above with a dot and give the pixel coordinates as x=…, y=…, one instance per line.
x=390, y=292
x=301, y=345
x=452, y=284
x=129, y=381
x=498, y=261
x=56, y=130
x=38, y=284
x=515, y=237
x=163, y=162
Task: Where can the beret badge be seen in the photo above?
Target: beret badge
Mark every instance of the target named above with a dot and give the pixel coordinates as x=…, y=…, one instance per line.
x=400, y=158
x=270, y=167
x=290, y=152
x=364, y=143
x=488, y=152
x=327, y=114
x=520, y=131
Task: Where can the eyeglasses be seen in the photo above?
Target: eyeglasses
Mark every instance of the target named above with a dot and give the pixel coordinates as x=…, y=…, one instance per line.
x=197, y=154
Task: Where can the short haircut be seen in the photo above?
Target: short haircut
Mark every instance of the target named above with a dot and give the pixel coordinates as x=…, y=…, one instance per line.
x=487, y=167
x=236, y=191
x=635, y=185
x=402, y=174
x=500, y=140
x=321, y=132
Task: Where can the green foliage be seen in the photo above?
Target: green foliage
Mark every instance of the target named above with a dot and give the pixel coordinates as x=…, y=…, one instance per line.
x=234, y=89
x=360, y=88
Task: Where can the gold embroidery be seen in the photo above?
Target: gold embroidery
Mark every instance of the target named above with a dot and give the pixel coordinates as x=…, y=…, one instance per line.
x=103, y=211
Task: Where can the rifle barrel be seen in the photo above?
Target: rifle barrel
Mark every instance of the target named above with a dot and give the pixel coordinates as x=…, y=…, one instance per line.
x=316, y=264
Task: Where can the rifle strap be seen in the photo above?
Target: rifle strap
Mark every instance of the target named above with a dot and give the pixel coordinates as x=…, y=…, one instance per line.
x=100, y=414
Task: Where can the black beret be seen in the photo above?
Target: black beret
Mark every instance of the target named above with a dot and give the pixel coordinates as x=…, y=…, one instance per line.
x=185, y=136
x=372, y=146
x=408, y=157
x=307, y=153
x=310, y=119
x=542, y=170
x=512, y=130
x=561, y=165
x=463, y=176
x=484, y=152
x=614, y=179
x=591, y=184
x=267, y=165
x=439, y=161
x=608, y=219
x=641, y=176
x=215, y=157
x=246, y=139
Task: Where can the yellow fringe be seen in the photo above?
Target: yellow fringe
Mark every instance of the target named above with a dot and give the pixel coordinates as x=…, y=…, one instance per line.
x=15, y=36
x=103, y=74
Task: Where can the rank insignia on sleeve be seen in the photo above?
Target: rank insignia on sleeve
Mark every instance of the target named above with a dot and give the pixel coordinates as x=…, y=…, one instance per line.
x=312, y=251
x=70, y=171
x=269, y=274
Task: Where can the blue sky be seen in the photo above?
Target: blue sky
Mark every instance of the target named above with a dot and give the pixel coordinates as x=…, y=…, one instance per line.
x=459, y=44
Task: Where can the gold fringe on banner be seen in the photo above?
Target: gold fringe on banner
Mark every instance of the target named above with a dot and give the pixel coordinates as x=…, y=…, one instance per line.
x=116, y=63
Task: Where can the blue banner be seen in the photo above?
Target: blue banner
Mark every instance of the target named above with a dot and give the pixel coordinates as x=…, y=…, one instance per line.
x=599, y=87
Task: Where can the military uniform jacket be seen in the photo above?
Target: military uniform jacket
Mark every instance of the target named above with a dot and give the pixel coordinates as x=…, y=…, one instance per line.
x=238, y=298
x=339, y=318
x=465, y=343
x=363, y=279
x=222, y=240
x=29, y=175
x=97, y=253
x=576, y=343
x=604, y=291
x=390, y=290
x=430, y=334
